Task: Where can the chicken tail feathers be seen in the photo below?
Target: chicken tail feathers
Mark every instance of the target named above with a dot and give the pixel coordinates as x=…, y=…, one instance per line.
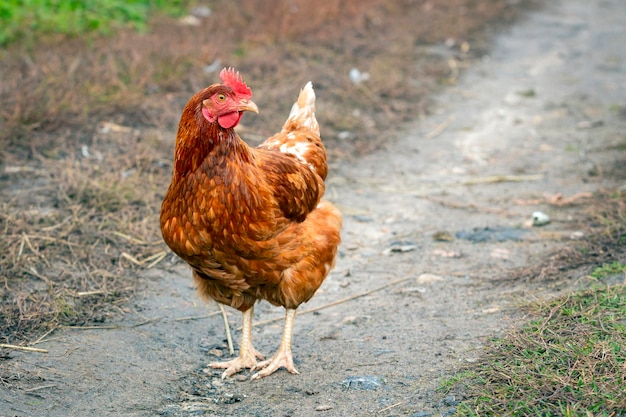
x=302, y=113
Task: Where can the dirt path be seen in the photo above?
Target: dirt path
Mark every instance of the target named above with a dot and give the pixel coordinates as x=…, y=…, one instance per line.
x=545, y=111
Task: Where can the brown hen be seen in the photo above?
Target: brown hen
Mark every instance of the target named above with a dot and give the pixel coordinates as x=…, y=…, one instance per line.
x=250, y=221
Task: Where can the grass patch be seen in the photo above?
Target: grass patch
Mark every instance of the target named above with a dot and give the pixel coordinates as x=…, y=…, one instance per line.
x=28, y=20
x=568, y=361
x=609, y=269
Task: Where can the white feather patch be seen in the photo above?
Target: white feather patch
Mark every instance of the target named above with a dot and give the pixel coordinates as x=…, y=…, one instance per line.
x=298, y=149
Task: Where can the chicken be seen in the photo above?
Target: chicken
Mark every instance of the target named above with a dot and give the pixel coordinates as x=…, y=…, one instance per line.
x=251, y=222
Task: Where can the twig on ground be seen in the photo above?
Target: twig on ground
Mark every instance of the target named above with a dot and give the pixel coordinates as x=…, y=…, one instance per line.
x=91, y=327
x=440, y=128
x=227, y=328
x=41, y=387
x=130, y=238
x=56, y=226
x=43, y=336
x=88, y=293
x=131, y=258
x=49, y=238
x=559, y=200
x=159, y=257
x=390, y=407
x=24, y=348
x=454, y=69
x=197, y=317
x=492, y=179
x=143, y=323
x=20, y=251
x=34, y=273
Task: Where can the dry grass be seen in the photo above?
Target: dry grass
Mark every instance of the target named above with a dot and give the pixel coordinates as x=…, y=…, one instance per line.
x=87, y=127
x=568, y=362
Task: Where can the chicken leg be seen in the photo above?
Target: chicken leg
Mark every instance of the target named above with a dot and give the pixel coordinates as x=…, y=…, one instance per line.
x=283, y=357
x=247, y=353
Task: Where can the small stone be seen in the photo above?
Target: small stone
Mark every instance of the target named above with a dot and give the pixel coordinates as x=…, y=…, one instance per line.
x=344, y=134
x=540, y=218
x=189, y=20
x=400, y=247
x=216, y=352
x=324, y=407
x=500, y=253
x=577, y=235
x=443, y=236
x=357, y=77
x=201, y=11
x=450, y=401
x=362, y=382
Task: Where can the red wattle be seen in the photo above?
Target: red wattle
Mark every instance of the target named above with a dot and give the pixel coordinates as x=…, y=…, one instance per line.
x=230, y=119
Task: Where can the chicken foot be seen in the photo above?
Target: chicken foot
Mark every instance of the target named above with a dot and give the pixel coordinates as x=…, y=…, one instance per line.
x=283, y=357
x=247, y=353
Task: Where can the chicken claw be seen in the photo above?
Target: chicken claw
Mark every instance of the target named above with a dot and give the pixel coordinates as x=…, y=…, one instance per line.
x=282, y=359
x=246, y=359
x=247, y=353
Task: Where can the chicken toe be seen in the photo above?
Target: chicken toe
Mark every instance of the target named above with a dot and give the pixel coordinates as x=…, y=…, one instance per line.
x=282, y=359
x=246, y=359
x=247, y=353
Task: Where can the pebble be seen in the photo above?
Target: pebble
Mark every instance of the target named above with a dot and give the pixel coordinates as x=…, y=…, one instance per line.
x=364, y=383
x=540, y=218
x=400, y=247
x=443, y=236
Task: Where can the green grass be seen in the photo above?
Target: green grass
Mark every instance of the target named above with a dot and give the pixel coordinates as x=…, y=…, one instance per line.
x=25, y=19
x=608, y=270
x=569, y=361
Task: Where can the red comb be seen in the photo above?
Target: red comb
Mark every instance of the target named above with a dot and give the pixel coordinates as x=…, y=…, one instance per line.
x=233, y=80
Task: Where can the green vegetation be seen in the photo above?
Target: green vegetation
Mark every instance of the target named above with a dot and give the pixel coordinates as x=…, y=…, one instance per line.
x=527, y=93
x=569, y=361
x=32, y=18
x=609, y=269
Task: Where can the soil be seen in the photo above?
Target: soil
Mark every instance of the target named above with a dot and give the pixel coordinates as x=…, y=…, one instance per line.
x=434, y=224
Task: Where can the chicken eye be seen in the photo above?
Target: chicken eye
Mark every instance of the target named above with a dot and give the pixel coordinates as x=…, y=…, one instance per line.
x=221, y=97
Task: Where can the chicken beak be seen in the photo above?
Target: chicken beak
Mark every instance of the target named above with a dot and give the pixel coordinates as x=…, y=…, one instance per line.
x=248, y=105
